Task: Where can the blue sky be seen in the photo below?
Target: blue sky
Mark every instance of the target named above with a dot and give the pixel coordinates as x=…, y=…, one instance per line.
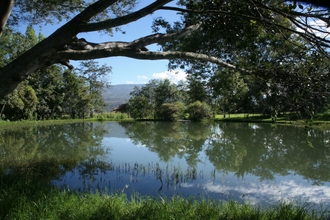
x=128, y=70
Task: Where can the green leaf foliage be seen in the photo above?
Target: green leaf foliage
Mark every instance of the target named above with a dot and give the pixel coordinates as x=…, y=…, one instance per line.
x=199, y=110
x=172, y=111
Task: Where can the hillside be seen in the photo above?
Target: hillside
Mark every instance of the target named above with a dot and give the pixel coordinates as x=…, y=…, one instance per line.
x=117, y=95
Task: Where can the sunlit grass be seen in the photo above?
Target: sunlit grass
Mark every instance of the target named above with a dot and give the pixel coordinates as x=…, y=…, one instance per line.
x=243, y=117
x=56, y=204
x=287, y=118
x=16, y=124
x=238, y=115
x=97, y=117
x=32, y=198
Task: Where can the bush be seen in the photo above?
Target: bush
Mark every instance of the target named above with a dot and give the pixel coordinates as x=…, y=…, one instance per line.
x=199, y=110
x=112, y=116
x=172, y=111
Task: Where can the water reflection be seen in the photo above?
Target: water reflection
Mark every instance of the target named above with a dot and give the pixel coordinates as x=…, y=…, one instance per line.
x=48, y=152
x=242, y=148
x=258, y=163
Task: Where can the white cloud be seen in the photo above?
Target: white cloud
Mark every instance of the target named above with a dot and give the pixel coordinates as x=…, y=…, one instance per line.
x=142, y=77
x=173, y=75
x=129, y=82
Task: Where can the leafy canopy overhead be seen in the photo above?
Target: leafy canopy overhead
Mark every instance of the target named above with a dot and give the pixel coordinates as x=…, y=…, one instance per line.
x=203, y=26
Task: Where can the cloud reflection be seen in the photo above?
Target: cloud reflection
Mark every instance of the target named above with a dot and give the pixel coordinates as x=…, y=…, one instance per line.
x=257, y=193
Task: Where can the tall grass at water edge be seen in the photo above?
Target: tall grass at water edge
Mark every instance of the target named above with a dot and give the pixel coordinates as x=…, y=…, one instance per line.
x=33, y=201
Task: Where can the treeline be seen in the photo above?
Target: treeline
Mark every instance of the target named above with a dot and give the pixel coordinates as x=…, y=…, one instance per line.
x=161, y=99
x=52, y=92
x=224, y=93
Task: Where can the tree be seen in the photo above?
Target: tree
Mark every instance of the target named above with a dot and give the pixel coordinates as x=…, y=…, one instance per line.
x=63, y=44
x=153, y=95
x=140, y=107
x=21, y=104
x=227, y=89
x=93, y=76
x=165, y=92
x=78, y=100
x=197, y=89
x=49, y=85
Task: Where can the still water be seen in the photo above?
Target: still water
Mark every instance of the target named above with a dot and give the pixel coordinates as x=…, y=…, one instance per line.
x=247, y=162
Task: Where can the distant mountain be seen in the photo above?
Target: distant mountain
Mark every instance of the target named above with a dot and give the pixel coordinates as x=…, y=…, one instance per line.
x=117, y=95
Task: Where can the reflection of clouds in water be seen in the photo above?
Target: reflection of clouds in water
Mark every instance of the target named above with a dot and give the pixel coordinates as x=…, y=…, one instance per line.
x=187, y=185
x=136, y=145
x=285, y=191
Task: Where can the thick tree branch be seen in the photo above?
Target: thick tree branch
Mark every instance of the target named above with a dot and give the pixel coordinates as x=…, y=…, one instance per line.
x=45, y=53
x=143, y=55
x=123, y=20
x=41, y=54
x=5, y=10
x=91, y=11
x=162, y=38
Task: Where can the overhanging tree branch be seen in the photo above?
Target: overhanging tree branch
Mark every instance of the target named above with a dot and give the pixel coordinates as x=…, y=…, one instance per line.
x=63, y=45
x=143, y=55
x=162, y=38
x=123, y=20
x=45, y=53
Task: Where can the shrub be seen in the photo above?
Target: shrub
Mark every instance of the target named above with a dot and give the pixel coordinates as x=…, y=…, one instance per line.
x=199, y=110
x=172, y=111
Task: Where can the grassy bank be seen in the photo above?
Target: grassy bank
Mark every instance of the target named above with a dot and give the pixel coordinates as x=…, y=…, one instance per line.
x=16, y=124
x=320, y=120
x=56, y=204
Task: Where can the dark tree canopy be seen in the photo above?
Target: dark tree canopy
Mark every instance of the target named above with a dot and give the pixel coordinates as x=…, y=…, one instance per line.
x=105, y=15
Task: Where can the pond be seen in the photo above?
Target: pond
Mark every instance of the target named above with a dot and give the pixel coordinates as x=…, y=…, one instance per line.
x=256, y=163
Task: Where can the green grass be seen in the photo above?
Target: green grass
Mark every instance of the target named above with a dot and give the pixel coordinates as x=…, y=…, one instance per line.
x=16, y=124
x=68, y=205
x=33, y=200
x=320, y=120
x=241, y=117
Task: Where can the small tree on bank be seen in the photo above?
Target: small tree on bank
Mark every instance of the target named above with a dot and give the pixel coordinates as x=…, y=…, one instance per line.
x=172, y=111
x=199, y=110
x=140, y=107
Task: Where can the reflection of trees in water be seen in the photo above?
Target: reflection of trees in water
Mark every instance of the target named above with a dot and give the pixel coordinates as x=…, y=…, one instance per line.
x=267, y=151
x=46, y=153
x=262, y=150
x=170, y=139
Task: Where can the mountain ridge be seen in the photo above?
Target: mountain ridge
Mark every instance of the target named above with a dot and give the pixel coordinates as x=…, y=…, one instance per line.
x=117, y=95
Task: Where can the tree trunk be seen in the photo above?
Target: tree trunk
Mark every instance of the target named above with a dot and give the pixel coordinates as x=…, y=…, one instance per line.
x=2, y=109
